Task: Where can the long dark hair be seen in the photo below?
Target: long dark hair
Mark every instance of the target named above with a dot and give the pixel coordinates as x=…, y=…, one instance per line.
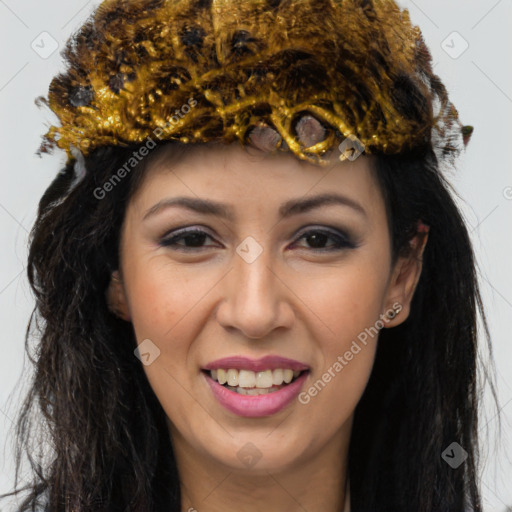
x=105, y=442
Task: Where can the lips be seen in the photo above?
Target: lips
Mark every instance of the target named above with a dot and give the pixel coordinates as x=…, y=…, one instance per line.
x=256, y=406
x=255, y=388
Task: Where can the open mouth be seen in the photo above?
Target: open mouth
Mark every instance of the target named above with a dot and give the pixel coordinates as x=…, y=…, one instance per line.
x=246, y=382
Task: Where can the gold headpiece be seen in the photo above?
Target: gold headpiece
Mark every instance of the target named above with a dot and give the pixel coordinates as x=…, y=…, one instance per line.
x=313, y=71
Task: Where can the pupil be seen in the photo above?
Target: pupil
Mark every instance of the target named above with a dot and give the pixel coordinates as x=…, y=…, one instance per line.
x=196, y=238
x=319, y=239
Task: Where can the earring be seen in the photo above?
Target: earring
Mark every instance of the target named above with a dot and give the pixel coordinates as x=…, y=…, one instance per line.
x=115, y=276
x=393, y=311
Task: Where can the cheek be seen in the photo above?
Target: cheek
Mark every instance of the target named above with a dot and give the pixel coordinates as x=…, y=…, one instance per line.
x=347, y=300
x=165, y=304
x=169, y=304
x=348, y=303
x=160, y=292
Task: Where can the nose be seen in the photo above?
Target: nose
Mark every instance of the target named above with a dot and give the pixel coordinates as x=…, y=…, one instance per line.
x=256, y=300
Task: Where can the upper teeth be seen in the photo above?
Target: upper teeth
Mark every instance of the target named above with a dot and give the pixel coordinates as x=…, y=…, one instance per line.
x=249, y=379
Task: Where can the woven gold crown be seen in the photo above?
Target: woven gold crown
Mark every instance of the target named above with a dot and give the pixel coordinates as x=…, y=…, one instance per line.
x=199, y=70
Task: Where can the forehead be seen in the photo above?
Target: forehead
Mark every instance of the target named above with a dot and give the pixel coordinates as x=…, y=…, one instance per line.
x=244, y=176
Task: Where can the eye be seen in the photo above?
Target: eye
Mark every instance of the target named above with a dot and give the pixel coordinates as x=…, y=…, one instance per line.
x=193, y=238
x=319, y=238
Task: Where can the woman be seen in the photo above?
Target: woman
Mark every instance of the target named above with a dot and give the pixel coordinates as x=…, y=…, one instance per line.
x=288, y=323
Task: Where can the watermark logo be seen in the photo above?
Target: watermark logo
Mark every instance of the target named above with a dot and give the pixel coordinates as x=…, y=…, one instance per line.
x=351, y=148
x=44, y=45
x=147, y=352
x=455, y=45
x=454, y=455
x=249, y=455
x=249, y=250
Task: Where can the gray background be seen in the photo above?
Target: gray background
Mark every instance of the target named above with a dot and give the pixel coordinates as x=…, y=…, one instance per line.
x=480, y=84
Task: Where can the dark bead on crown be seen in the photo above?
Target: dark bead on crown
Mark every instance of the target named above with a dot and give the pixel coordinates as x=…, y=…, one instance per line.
x=81, y=96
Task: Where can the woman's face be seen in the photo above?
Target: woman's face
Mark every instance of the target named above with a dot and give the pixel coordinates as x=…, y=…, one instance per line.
x=259, y=267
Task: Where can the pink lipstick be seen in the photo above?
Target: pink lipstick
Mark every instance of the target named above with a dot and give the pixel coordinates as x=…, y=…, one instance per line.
x=255, y=388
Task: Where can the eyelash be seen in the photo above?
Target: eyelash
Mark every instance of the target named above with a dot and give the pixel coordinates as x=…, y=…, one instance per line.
x=341, y=240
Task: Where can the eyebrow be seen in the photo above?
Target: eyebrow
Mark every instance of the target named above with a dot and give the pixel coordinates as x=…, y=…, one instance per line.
x=291, y=207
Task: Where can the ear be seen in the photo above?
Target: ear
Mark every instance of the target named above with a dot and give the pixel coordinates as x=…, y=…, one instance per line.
x=115, y=296
x=404, y=279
